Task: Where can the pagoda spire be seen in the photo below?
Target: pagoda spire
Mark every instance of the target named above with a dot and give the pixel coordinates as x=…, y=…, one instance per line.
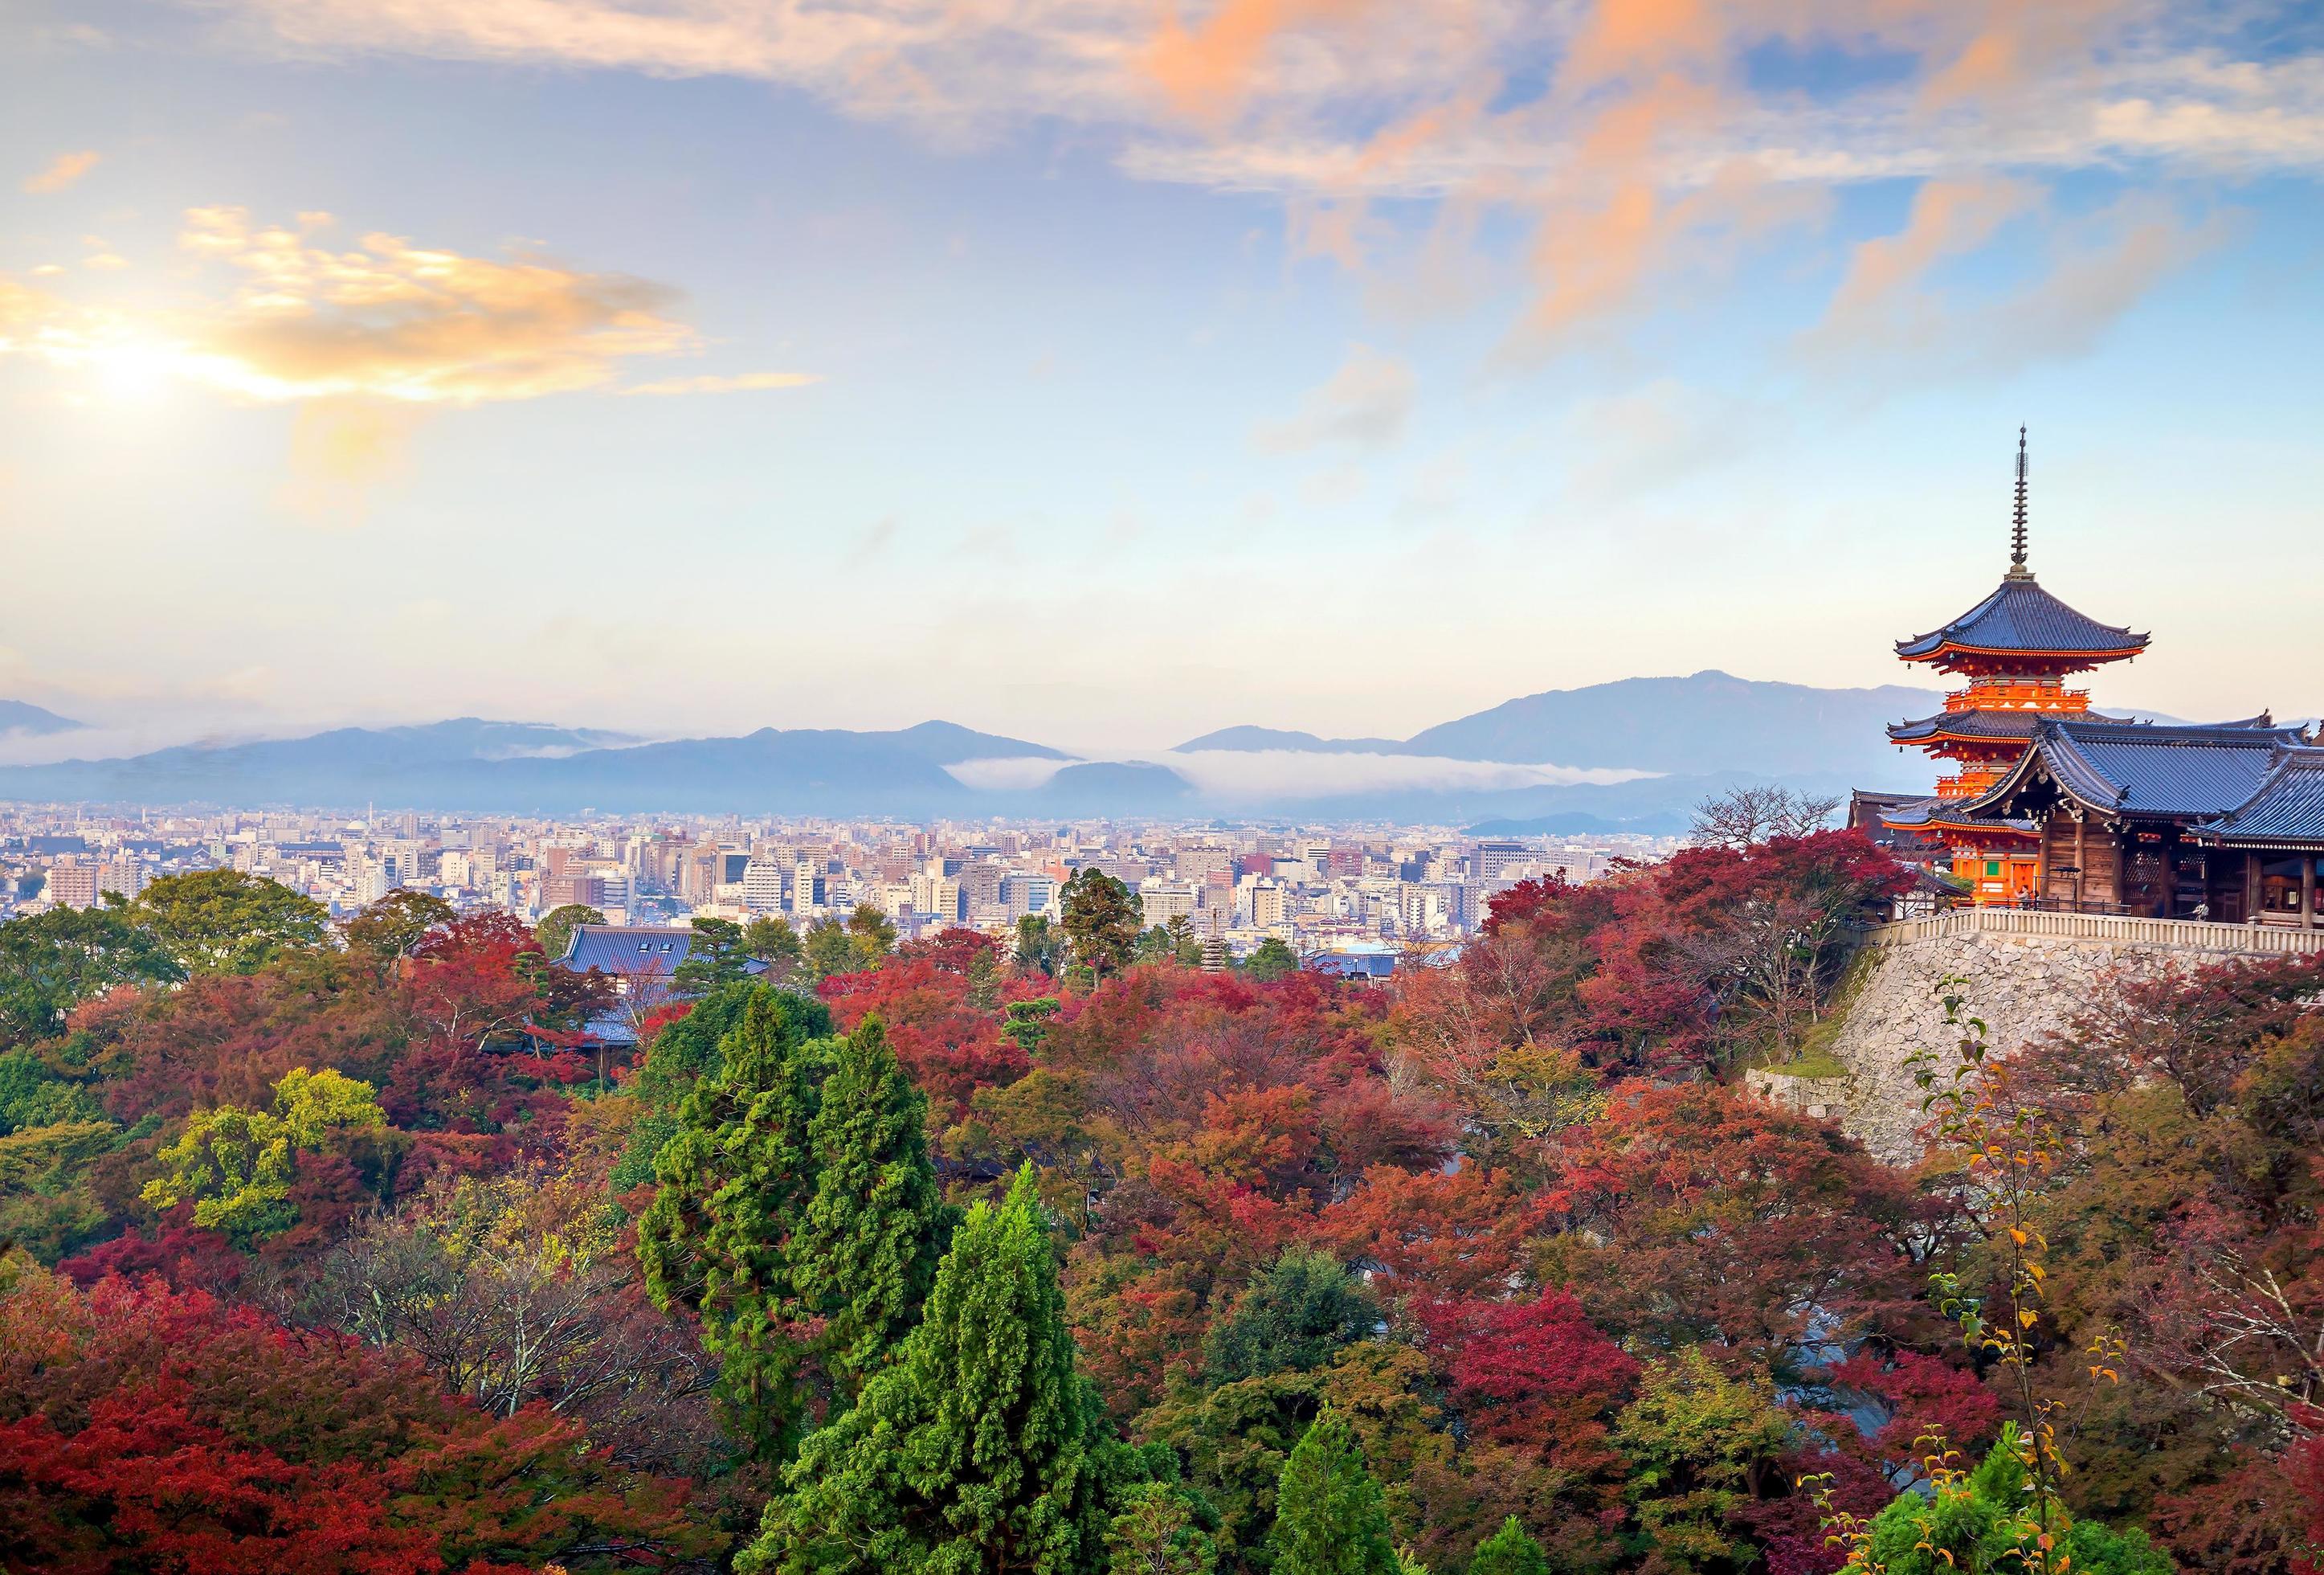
x=2017, y=569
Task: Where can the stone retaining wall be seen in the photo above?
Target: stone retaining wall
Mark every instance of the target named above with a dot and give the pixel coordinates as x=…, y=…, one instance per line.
x=2028, y=975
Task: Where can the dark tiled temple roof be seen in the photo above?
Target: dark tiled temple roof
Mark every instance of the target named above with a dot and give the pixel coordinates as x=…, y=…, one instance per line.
x=627, y=951
x=2021, y=617
x=2003, y=725
x=2288, y=808
x=2021, y=724
x=1937, y=814
x=2148, y=769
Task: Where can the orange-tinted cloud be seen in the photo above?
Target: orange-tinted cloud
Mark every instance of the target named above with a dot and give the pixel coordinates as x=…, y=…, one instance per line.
x=380, y=319
x=1626, y=36
x=1206, y=70
x=63, y=172
x=1948, y=219
x=1885, y=315
x=400, y=322
x=1646, y=156
x=2013, y=40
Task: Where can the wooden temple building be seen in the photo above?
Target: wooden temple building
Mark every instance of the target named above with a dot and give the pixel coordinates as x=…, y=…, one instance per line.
x=2054, y=805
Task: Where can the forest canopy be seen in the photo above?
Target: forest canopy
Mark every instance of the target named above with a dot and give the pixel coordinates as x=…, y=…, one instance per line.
x=349, y=1245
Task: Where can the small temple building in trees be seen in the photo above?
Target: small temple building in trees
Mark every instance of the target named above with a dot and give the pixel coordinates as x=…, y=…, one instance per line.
x=2052, y=804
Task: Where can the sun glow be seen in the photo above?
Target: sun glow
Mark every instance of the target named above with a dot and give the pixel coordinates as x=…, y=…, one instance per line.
x=134, y=372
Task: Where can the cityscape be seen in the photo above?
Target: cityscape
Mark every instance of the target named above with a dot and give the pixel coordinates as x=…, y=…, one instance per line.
x=1323, y=891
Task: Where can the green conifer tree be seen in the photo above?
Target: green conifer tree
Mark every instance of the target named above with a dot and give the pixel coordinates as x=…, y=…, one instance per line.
x=866, y=1253
x=1330, y=1518
x=1155, y=1531
x=1509, y=1552
x=978, y=1449
x=735, y=1180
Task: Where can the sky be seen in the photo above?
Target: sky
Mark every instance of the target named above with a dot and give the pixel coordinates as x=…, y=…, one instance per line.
x=1101, y=372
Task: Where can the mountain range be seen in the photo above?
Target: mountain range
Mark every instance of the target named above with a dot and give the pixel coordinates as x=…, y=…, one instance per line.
x=20, y=717
x=1632, y=755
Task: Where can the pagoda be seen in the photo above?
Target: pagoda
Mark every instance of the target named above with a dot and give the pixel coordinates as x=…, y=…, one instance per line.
x=2015, y=649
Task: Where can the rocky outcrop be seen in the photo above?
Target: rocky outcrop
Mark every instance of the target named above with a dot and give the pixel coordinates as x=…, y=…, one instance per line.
x=2026, y=975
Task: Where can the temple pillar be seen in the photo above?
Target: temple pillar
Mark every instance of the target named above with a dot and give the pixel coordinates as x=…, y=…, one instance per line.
x=2308, y=891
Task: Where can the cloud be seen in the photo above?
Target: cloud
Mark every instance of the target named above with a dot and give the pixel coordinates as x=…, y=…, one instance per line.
x=1626, y=139
x=1312, y=82
x=745, y=383
x=1207, y=69
x=1016, y=773
x=1948, y=219
x=2095, y=268
x=1233, y=776
x=381, y=320
x=66, y=169
x=942, y=63
x=1366, y=402
x=398, y=322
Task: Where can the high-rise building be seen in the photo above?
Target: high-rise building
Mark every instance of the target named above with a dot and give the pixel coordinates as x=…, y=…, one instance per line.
x=762, y=886
x=1492, y=860
x=1023, y=893
x=124, y=873
x=1163, y=900
x=72, y=884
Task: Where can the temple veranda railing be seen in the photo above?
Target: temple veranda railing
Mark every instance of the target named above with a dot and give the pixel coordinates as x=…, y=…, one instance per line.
x=2179, y=934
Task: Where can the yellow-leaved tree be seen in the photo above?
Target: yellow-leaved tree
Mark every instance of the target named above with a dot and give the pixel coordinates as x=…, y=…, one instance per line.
x=236, y=1166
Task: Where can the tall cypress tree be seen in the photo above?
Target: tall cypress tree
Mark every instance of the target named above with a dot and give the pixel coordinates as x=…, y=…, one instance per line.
x=1330, y=1518
x=978, y=1449
x=735, y=1180
x=865, y=1255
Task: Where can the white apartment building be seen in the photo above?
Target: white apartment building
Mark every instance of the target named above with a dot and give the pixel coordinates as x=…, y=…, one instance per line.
x=1420, y=911
x=762, y=886
x=124, y=873
x=1163, y=900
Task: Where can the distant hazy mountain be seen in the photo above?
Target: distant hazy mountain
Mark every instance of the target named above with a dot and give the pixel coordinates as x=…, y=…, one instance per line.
x=22, y=717
x=1696, y=736
x=1710, y=722
x=343, y=767
x=521, y=766
x=807, y=771
x=1112, y=787
x=1251, y=739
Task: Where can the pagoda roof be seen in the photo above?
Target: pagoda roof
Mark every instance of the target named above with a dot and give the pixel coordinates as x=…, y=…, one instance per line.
x=1998, y=724
x=2146, y=769
x=2006, y=725
x=2288, y=808
x=1938, y=814
x=2021, y=619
